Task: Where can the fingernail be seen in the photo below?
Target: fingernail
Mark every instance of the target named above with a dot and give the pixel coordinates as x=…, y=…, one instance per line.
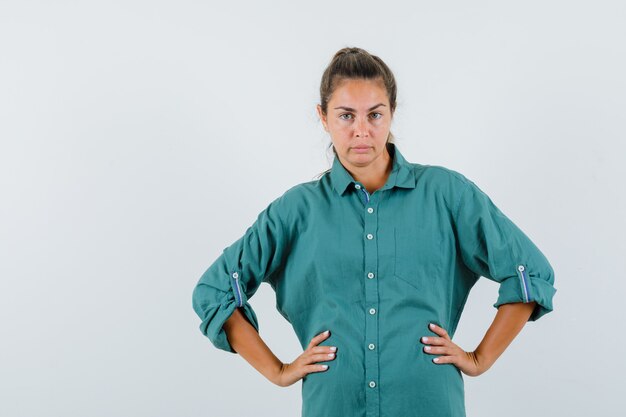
x=325, y=366
x=432, y=326
x=333, y=348
x=424, y=339
x=436, y=360
x=427, y=348
x=326, y=332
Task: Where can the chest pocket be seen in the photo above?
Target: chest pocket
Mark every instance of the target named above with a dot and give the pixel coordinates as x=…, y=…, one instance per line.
x=419, y=257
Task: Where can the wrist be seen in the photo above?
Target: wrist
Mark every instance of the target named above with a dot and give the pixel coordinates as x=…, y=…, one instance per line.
x=276, y=372
x=482, y=359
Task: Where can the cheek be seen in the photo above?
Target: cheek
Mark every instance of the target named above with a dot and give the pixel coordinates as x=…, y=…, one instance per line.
x=383, y=123
x=339, y=128
x=380, y=127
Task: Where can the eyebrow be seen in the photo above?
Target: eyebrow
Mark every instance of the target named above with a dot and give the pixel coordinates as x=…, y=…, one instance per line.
x=351, y=109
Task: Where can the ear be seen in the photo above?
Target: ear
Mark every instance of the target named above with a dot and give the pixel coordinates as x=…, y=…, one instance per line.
x=322, y=117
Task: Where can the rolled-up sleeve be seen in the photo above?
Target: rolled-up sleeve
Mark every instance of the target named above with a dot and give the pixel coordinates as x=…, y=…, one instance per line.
x=492, y=246
x=233, y=278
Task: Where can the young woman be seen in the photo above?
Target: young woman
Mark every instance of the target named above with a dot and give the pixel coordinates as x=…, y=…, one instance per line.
x=372, y=264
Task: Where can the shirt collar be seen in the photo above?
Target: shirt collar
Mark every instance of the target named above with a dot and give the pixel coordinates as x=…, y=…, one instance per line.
x=402, y=174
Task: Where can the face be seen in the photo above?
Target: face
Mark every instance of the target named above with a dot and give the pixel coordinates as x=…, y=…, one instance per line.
x=358, y=121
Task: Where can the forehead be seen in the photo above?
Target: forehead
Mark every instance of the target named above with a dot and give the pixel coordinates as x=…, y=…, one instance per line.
x=359, y=93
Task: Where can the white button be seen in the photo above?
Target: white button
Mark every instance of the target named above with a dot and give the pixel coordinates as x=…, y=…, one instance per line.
x=521, y=268
x=370, y=275
x=372, y=311
x=370, y=210
x=357, y=186
x=372, y=384
x=235, y=275
x=371, y=346
x=370, y=236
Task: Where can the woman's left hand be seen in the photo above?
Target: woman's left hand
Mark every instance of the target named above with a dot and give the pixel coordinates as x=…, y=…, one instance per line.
x=467, y=362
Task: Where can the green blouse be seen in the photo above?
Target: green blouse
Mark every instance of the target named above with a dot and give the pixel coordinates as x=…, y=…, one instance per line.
x=375, y=269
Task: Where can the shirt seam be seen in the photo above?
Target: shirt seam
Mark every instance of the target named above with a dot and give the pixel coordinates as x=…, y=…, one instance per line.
x=283, y=229
x=458, y=209
x=460, y=202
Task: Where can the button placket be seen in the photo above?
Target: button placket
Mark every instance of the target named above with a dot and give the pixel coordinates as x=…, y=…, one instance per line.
x=363, y=192
x=371, y=253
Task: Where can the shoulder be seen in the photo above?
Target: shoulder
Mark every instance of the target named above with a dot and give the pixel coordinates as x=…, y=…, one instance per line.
x=444, y=184
x=301, y=192
x=297, y=197
x=444, y=178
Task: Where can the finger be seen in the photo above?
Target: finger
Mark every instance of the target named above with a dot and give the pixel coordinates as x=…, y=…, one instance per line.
x=444, y=359
x=324, y=349
x=439, y=330
x=308, y=357
x=322, y=357
x=434, y=340
x=319, y=338
x=315, y=368
x=437, y=350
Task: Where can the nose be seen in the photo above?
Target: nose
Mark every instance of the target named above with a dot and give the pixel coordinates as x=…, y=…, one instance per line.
x=360, y=128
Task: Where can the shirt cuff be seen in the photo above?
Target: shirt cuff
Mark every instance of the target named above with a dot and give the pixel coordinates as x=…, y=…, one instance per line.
x=218, y=313
x=525, y=288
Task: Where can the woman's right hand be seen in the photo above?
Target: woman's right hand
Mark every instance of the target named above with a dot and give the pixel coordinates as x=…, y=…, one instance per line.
x=306, y=363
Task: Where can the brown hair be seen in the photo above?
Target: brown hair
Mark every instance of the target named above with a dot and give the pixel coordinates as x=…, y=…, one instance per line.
x=352, y=62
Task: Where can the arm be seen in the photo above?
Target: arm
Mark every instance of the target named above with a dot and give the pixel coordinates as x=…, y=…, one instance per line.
x=509, y=321
x=246, y=341
x=234, y=277
x=221, y=300
x=491, y=245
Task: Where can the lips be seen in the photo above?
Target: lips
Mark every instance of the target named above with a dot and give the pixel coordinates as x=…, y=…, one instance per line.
x=361, y=149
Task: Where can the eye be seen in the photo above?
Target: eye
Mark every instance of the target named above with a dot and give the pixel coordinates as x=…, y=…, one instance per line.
x=345, y=114
x=379, y=115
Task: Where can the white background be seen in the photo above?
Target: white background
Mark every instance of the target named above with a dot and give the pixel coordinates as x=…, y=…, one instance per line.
x=140, y=138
